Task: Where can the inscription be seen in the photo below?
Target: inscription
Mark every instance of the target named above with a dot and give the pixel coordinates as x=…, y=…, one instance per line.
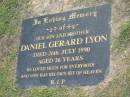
x=65, y=49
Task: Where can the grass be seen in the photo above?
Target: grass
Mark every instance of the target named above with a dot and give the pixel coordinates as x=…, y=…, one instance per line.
x=9, y=12
x=8, y=86
x=119, y=87
x=124, y=36
x=57, y=92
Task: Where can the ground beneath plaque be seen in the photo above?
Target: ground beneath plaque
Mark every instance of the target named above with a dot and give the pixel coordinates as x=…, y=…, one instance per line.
x=118, y=82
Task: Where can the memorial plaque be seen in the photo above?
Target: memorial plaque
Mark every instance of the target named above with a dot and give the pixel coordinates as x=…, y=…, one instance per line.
x=65, y=49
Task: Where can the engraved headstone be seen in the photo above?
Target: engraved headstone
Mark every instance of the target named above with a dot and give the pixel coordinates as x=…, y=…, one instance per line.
x=70, y=48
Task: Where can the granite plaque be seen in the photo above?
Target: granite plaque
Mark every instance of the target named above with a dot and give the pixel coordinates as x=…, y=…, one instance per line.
x=65, y=49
